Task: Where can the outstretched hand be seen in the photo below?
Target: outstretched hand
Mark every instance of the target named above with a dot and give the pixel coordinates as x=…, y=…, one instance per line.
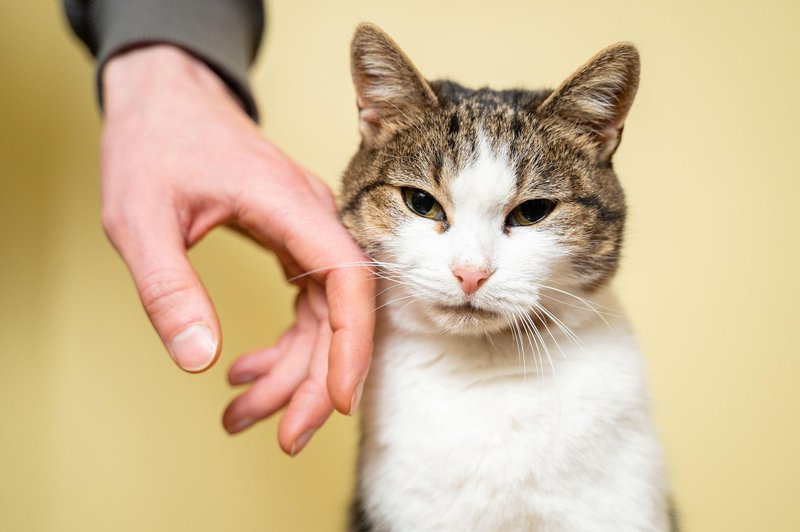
x=179, y=157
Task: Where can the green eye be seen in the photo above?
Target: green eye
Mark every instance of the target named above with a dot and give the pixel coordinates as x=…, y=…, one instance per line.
x=531, y=212
x=422, y=203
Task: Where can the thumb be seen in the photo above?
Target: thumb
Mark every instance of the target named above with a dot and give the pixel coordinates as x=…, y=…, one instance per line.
x=171, y=292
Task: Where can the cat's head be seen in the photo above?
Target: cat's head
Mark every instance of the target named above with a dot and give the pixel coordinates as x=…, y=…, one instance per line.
x=485, y=205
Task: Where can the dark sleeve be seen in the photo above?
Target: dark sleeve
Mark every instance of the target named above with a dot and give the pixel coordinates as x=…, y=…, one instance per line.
x=225, y=34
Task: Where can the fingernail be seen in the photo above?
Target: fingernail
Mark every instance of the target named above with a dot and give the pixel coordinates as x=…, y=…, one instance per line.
x=244, y=379
x=356, y=399
x=194, y=348
x=301, y=442
x=242, y=424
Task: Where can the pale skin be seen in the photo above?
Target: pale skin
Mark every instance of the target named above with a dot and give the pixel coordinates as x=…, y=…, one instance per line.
x=180, y=157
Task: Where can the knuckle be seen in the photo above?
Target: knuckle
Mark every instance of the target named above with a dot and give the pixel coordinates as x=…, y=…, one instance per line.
x=112, y=221
x=163, y=291
x=117, y=221
x=314, y=395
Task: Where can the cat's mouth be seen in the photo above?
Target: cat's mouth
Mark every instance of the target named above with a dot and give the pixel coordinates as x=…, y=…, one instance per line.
x=468, y=309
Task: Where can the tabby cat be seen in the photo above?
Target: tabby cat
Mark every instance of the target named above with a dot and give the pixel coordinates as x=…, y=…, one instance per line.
x=504, y=394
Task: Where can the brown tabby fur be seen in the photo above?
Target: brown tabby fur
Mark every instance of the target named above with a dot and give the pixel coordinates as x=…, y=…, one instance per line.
x=421, y=134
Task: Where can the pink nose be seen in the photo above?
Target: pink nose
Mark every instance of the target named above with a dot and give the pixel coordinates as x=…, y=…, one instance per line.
x=470, y=280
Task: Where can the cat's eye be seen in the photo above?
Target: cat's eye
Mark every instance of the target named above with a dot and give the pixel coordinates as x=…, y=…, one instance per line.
x=531, y=212
x=422, y=203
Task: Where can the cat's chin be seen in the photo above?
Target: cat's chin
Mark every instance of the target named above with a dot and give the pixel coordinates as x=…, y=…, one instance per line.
x=460, y=320
x=467, y=320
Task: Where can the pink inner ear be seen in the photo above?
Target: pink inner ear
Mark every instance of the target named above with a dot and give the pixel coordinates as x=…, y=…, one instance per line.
x=609, y=138
x=369, y=120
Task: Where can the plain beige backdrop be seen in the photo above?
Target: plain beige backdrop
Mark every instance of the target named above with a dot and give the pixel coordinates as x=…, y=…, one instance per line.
x=101, y=432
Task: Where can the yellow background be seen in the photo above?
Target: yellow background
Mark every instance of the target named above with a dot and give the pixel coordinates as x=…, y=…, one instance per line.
x=100, y=431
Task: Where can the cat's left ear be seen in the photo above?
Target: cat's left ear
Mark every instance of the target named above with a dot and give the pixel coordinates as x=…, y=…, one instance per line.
x=599, y=95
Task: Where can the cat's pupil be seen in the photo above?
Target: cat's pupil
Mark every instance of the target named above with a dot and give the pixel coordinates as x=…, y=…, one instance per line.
x=421, y=202
x=534, y=210
x=531, y=212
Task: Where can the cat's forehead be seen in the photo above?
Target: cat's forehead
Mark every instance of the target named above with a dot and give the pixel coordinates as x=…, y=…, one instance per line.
x=486, y=183
x=485, y=134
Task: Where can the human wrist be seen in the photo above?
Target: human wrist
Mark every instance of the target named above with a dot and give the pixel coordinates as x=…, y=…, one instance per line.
x=159, y=70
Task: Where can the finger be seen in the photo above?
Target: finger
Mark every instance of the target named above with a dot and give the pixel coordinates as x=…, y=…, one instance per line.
x=350, y=299
x=321, y=246
x=171, y=292
x=274, y=389
x=310, y=405
x=308, y=409
x=251, y=366
x=351, y=305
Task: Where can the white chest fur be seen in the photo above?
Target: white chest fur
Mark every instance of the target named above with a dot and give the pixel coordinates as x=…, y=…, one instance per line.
x=456, y=436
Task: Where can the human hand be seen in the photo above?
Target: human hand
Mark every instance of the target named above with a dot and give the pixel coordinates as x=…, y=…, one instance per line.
x=180, y=157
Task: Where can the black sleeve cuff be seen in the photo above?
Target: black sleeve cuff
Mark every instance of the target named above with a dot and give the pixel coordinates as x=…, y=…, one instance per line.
x=225, y=34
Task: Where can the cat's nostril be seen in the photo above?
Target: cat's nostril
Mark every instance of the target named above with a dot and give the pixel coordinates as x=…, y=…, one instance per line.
x=470, y=279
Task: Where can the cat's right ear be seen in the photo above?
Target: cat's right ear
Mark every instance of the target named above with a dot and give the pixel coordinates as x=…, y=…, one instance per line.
x=391, y=92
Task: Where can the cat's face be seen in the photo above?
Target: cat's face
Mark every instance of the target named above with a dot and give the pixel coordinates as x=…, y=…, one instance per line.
x=485, y=206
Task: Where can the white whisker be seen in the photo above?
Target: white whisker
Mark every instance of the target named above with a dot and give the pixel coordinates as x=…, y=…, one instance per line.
x=543, y=320
x=569, y=332
x=535, y=351
x=355, y=264
x=394, y=301
x=532, y=325
x=587, y=304
x=517, y=342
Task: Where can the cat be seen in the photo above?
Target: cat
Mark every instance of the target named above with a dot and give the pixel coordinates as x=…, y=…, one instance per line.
x=504, y=395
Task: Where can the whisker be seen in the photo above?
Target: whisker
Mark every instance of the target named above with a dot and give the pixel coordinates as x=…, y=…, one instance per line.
x=535, y=330
x=544, y=344
x=363, y=264
x=569, y=332
x=555, y=374
x=387, y=289
x=534, y=351
x=394, y=301
x=396, y=280
x=537, y=355
x=407, y=304
x=581, y=307
x=520, y=356
x=587, y=304
x=543, y=320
